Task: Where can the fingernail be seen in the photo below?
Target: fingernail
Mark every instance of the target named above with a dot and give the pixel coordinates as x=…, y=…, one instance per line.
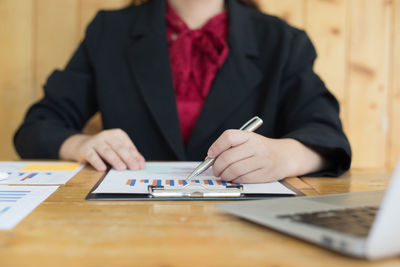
x=132, y=165
x=210, y=153
x=101, y=167
x=121, y=166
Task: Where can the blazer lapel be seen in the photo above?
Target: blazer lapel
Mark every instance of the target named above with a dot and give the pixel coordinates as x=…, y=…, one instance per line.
x=234, y=80
x=149, y=60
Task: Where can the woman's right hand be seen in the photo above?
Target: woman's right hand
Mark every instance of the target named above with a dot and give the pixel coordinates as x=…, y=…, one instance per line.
x=109, y=146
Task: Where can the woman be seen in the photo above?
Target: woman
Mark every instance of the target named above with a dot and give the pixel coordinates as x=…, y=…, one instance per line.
x=170, y=78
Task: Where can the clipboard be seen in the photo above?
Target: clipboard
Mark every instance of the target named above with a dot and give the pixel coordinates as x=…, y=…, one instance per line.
x=160, y=193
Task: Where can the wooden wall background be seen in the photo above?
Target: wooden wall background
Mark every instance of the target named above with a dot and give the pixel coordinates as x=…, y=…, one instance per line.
x=358, y=42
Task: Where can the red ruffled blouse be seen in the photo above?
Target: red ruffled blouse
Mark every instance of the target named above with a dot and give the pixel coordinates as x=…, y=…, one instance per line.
x=195, y=56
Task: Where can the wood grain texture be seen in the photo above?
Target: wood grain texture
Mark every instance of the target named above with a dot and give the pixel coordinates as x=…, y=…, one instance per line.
x=369, y=59
x=293, y=12
x=357, y=42
x=66, y=230
x=56, y=38
x=394, y=141
x=326, y=24
x=16, y=65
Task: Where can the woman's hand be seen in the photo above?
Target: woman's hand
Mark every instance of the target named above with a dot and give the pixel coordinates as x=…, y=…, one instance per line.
x=247, y=157
x=109, y=146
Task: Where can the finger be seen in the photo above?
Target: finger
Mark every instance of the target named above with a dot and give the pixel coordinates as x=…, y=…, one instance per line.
x=241, y=168
x=230, y=156
x=258, y=176
x=91, y=156
x=127, y=153
x=109, y=155
x=229, y=138
x=138, y=159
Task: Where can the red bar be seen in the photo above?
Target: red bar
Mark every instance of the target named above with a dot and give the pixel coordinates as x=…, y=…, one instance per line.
x=168, y=182
x=219, y=182
x=154, y=182
x=181, y=182
x=129, y=182
x=27, y=177
x=206, y=181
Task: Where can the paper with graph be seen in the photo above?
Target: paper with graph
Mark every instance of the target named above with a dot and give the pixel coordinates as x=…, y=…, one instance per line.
x=38, y=173
x=172, y=175
x=16, y=202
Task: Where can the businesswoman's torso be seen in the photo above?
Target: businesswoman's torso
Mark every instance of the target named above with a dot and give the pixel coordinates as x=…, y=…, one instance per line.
x=122, y=69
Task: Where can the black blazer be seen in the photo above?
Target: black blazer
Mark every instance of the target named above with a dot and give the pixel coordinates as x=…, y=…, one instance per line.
x=122, y=69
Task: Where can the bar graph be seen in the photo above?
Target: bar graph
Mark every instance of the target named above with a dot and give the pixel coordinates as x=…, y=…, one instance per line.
x=177, y=182
x=29, y=176
x=12, y=195
x=131, y=182
x=18, y=201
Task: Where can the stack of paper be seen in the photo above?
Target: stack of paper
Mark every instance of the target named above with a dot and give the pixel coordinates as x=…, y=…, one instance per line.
x=172, y=175
x=43, y=173
x=16, y=202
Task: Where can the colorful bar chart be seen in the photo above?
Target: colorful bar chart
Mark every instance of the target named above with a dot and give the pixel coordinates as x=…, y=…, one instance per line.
x=29, y=176
x=208, y=182
x=157, y=182
x=182, y=182
x=222, y=183
x=12, y=195
x=178, y=182
x=131, y=182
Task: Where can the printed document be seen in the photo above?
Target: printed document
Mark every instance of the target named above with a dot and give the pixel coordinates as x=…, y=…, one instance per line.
x=172, y=175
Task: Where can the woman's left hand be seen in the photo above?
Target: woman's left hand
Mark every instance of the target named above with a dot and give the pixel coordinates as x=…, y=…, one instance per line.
x=247, y=157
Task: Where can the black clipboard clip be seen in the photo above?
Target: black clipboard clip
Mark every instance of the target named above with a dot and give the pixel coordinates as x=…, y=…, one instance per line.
x=196, y=191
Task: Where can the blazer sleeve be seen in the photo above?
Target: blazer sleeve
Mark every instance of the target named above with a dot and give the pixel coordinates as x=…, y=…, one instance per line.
x=309, y=112
x=69, y=101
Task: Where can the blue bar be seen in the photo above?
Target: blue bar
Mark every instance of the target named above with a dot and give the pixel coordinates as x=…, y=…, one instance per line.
x=184, y=182
x=224, y=183
x=133, y=182
x=21, y=173
x=197, y=181
x=13, y=191
x=146, y=181
x=171, y=182
x=210, y=182
x=4, y=210
x=158, y=182
x=4, y=200
x=2, y=194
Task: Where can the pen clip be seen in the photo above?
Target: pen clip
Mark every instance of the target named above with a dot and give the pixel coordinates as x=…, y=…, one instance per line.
x=252, y=124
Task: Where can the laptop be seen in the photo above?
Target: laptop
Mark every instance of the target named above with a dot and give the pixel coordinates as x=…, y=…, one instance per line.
x=363, y=224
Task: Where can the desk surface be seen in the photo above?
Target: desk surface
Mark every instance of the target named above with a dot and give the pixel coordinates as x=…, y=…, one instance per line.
x=66, y=230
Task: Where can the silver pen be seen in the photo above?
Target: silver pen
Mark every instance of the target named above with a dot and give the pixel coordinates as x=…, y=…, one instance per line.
x=252, y=125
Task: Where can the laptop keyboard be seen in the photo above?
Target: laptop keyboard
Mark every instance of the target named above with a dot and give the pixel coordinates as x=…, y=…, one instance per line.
x=354, y=221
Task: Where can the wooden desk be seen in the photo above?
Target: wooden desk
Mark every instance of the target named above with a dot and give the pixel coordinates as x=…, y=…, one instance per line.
x=66, y=230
